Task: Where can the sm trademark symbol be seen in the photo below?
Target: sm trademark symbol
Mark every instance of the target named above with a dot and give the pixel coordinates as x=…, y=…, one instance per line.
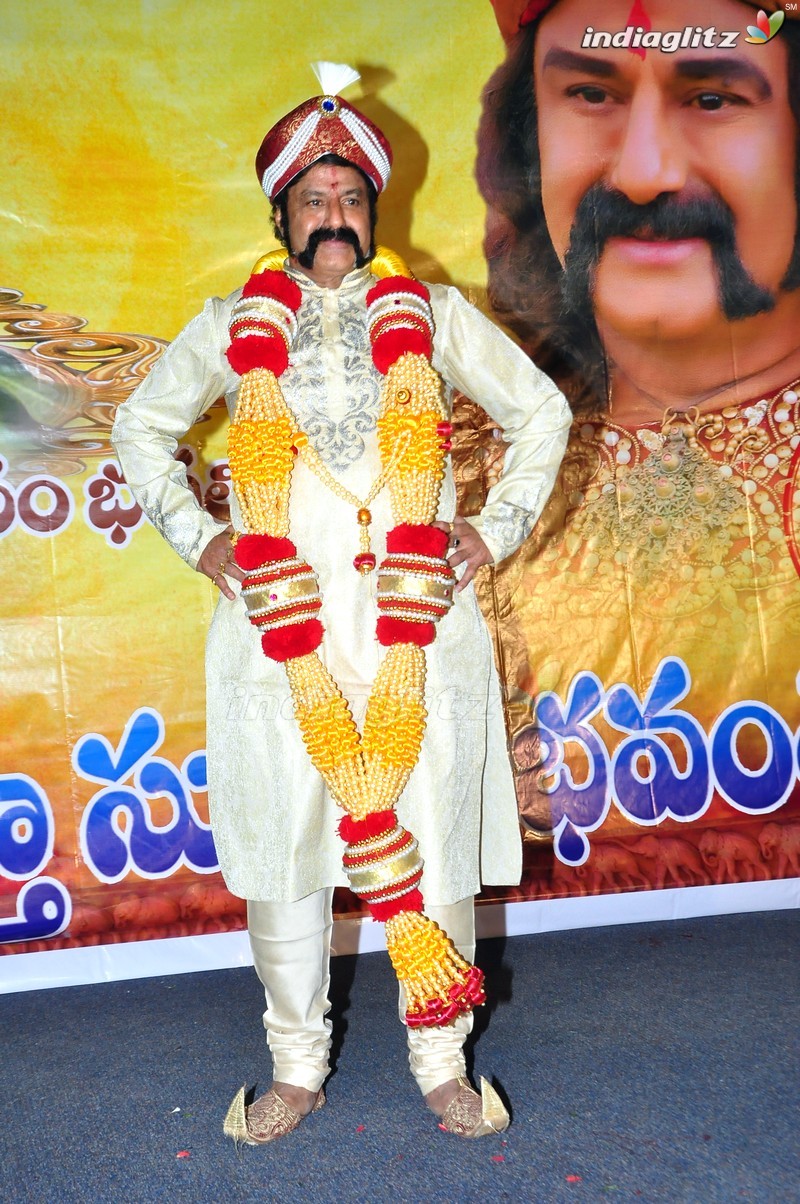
x=790, y=8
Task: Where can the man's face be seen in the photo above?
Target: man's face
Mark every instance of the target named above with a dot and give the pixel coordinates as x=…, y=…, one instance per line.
x=703, y=125
x=332, y=199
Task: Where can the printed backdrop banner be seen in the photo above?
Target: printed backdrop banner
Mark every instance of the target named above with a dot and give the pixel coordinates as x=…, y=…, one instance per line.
x=648, y=629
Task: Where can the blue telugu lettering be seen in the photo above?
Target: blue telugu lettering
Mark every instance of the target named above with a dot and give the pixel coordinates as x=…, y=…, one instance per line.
x=577, y=807
x=760, y=790
x=44, y=909
x=643, y=778
x=27, y=832
x=151, y=850
x=663, y=790
x=27, y=828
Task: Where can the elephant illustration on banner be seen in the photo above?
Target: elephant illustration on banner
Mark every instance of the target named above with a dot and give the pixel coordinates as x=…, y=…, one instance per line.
x=780, y=844
x=611, y=867
x=673, y=858
x=732, y=856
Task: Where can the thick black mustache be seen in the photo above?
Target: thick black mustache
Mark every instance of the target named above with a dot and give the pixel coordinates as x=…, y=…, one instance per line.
x=604, y=213
x=330, y=234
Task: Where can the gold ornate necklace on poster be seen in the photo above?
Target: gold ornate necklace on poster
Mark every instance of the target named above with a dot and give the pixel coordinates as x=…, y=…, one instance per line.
x=366, y=771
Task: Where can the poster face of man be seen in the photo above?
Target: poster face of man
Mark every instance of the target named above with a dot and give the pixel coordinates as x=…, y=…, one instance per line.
x=668, y=148
x=642, y=239
x=653, y=206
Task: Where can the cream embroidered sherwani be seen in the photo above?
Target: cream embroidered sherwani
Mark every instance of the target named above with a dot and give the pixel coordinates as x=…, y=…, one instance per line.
x=274, y=823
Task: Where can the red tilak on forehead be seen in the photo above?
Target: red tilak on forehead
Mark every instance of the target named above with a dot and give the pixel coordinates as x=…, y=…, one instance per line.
x=638, y=16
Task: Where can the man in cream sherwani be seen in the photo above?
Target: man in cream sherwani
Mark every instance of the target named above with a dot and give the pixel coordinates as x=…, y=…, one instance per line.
x=275, y=825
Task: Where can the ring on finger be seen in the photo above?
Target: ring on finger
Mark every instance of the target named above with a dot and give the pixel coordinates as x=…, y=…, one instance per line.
x=456, y=542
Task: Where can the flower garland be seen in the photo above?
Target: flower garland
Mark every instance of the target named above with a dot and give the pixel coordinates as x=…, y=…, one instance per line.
x=365, y=772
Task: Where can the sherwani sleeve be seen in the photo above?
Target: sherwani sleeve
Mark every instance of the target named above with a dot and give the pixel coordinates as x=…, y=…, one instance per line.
x=182, y=384
x=484, y=364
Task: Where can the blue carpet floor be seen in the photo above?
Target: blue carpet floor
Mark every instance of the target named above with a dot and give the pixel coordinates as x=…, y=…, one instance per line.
x=648, y=1062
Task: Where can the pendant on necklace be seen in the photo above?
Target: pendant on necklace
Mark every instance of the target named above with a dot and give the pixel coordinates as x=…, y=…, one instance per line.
x=365, y=561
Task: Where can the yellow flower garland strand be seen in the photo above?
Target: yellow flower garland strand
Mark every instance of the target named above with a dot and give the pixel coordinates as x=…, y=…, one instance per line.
x=365, y=773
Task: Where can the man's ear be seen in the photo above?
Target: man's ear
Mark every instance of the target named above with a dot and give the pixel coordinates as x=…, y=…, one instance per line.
x=281, y=233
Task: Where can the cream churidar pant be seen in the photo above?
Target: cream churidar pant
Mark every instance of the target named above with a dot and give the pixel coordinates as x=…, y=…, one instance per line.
x=291, y=945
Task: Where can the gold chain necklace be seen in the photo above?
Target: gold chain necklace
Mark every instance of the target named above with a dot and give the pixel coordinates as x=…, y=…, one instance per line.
x=365, y=561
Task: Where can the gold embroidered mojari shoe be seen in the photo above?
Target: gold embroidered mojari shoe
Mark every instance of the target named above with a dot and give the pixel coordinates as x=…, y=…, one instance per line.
x=473, y=1115
x=267, y=1119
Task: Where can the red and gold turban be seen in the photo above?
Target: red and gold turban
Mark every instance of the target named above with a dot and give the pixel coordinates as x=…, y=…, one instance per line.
x=323, y=125
x=514, y=15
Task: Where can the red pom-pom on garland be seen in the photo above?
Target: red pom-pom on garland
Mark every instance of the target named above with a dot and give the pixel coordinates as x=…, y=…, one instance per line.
x=258, y=351
x=397, y=631
x=421, y=539
x=387, y=348
x=252, y=551
x=295, y=639
x=397, y=284
x=274, y=284
x=410, y=901
x=354, y=831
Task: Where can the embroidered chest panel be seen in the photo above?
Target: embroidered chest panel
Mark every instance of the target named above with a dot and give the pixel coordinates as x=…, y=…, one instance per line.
x=331, y=383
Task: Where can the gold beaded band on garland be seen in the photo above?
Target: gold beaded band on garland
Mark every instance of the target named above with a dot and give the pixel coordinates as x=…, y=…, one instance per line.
x=367, y=771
